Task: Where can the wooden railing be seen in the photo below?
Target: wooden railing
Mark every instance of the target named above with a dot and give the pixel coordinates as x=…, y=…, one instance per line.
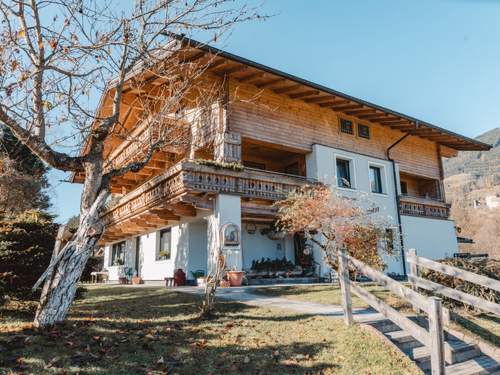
x=418, y=263
x=189, y=176
x=423, y=207
x=432, y=338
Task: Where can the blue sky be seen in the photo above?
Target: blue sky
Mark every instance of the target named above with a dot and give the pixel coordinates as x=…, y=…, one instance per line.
x=437, y=60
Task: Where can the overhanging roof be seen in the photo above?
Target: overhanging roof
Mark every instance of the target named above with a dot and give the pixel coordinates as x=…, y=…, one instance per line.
x=244, y=70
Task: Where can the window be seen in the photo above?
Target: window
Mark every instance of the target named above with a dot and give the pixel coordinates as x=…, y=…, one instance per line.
x=404, y=187
x=117, y=254
x=165, y=245
x=346, y=126
x=363, y=131
x=255, y=165
x=344, y=173
x=389, y=240
x=376, y=179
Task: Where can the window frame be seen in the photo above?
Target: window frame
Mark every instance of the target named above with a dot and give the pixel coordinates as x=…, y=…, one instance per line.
x=383, y=178
x=159, y=258
x=352, y=172
x=342, y=121
x=368, y=135
x=121, y=245
x=376, y=182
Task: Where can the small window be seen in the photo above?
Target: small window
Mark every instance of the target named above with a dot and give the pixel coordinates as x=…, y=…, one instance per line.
x=344, y=173
x=404, y=187
x=363, y=131
x=346, y=126
x=389, y=240
x=165, y=245
x=376, y=179
x=117, y=254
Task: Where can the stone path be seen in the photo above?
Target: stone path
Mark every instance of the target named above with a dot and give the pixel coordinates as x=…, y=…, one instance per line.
x=245, y=295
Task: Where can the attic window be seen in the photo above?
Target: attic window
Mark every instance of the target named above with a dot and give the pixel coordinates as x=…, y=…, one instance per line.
x=363, y=131
x=346, y=126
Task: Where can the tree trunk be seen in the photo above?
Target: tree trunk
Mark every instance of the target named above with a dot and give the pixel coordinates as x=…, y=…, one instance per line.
x=65, y=269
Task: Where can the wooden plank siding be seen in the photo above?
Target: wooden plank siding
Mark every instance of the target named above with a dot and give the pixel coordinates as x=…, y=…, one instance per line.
x=263, y=115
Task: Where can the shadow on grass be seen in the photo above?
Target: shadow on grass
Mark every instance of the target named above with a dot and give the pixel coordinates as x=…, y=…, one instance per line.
x=484, y=333
x=124, y=330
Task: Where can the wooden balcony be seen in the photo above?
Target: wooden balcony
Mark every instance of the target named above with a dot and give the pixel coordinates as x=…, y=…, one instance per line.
x=423, y=207
x=187, y=181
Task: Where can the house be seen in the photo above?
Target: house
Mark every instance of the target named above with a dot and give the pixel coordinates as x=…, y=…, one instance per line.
x=276, y=133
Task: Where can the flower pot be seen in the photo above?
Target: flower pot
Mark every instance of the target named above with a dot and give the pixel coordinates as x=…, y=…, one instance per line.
x=235, y=277
x=123, y=280
x=136, y=280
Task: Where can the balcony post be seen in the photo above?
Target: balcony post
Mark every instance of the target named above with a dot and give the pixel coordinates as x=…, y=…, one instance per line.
x=227, y=147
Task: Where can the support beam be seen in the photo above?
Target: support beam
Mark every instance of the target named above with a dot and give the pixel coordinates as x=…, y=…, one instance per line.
x=286, y=89
x=304, y=94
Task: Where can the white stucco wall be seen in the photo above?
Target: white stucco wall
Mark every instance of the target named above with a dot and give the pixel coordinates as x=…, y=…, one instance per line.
x=321, y=164
x=257, y=246
x=432, y=238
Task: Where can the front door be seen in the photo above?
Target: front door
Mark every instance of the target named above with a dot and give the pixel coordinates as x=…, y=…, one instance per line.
x=138, y=256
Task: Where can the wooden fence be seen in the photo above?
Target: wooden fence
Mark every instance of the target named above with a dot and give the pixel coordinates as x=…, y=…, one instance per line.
x=432, y=338
x=418, y=263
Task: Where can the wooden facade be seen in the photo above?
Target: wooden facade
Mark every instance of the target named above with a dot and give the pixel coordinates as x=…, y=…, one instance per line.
x=266, y=122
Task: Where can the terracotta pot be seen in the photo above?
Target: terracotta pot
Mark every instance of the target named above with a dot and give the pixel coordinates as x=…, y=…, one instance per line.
x=136, y=280
x=235, y=277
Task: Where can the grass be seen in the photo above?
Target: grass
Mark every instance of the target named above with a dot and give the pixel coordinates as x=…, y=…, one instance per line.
x=484, y=326
x=117, y=330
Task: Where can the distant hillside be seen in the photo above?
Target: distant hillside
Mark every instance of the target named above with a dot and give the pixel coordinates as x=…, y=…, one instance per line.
x=471, y=177
x=478, y=163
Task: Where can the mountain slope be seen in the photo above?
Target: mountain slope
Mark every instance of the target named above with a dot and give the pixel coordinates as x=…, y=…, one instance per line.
x=471, y=177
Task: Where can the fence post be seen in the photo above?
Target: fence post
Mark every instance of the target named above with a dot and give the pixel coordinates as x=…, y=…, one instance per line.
x=345, y=287
x=436, y=335
x=413, y=272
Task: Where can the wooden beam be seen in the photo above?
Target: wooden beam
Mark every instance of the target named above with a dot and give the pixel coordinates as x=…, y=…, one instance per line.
x=360, y=112
x=272, y=82
x=234, y=69
x=303, y=94
x=288, y=88
x=329, y=104
x=183, y=209
x=320, y=99
x=251, y=76
x=345, y=107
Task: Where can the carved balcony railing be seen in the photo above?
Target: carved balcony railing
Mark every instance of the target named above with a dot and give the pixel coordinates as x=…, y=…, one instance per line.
x=190, y=177
x=423, y=207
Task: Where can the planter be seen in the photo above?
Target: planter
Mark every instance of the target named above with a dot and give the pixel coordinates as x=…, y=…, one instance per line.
x=235, y=277
x=136, y=280
x=201, y=281
x=123, y=280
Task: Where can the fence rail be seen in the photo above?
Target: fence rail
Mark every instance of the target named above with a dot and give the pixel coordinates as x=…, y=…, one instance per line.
x=416, y=265
x=432, y=338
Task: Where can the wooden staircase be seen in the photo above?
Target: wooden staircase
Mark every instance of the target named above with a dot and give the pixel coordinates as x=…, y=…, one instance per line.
x=462, y=358
x=427, y=338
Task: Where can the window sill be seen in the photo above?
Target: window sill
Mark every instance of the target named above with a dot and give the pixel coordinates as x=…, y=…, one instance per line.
x=380, y=194
x=346, y=188
x=163, y=260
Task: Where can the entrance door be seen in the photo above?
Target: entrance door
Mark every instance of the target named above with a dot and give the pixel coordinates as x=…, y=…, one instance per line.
x=138, y=262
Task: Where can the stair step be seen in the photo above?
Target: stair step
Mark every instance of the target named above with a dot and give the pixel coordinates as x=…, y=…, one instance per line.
x=403, y=339
x=476, y=366
x=454, y=352
x=385, y=325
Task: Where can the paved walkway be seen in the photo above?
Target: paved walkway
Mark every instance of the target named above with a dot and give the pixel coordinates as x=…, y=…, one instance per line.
x=245, y=295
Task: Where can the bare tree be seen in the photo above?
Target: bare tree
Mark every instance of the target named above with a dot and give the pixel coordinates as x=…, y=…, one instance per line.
x=58, y=56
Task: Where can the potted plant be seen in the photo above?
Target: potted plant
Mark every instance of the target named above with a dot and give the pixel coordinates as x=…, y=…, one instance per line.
x=136, y=280
x=235, y=277
x=164, y=255
x=200, y=278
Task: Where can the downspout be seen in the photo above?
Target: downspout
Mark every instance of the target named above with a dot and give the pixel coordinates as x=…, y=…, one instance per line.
x=396, y=193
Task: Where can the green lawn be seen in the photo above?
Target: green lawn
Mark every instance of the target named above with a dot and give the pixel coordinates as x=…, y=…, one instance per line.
x=483, y=325
x=124, y=330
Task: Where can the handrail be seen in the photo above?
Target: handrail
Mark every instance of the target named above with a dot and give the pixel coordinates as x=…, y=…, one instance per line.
x=433, y=338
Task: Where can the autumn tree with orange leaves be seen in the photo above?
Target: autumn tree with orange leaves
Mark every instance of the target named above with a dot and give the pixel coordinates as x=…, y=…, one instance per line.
x=334, y=222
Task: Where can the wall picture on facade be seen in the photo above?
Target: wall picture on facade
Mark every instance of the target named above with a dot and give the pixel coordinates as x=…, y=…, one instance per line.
x=230, y=234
